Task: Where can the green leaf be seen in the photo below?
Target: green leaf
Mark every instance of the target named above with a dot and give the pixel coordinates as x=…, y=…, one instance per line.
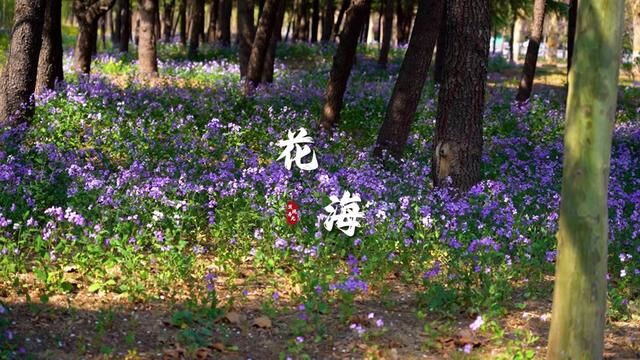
x=94, y=287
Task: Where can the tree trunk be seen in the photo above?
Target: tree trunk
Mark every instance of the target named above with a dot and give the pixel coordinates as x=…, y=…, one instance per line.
x=117, y=26
x=365, y=27
x=553, y=39
x=246, y=32
x=182, y=14
x=19, y=76
x=157, y=22
x=261, y=44
x=517, y=40
x=125, y=20
x=571, y=31
x=438, y=69
x=512, y=53
x=342, y=63
x=401, y=110
x=196, y=28
x=213, y=21
x=225, y=22
x=270, y=59
x=103, y=30
x=458, y=140
x=87, y=13
x=405, y=18
x=327, y=21
x=301, y=31
x=50, y=68
x=580, y=289
x=343, y=8
x=635, y=50
x=147, y=57
x=167, y=20
x=315, y=21
x=387, y=32
x=529, y=68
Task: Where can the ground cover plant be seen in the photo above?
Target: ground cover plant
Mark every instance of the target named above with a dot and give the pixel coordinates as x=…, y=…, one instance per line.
x=144, y=218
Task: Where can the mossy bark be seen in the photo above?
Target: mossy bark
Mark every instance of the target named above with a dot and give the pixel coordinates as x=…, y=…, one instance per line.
x=580, y=292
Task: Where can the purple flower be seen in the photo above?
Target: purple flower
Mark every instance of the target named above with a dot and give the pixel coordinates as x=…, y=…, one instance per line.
x=477, y=323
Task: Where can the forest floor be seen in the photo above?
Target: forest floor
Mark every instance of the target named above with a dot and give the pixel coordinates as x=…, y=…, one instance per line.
x=107, y=326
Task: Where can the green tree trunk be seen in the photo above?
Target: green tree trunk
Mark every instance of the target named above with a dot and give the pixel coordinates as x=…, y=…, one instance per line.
x=580, y=292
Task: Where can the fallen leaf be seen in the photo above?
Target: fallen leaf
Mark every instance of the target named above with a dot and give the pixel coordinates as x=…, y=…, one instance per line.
x=234, y=318
x=262, y=322
x=170, y=354
x=218, y=346
x=203, y=353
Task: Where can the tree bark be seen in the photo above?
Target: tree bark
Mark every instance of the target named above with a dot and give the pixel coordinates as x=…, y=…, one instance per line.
x=529, y=68
x=270, y=58
x=182, y=14
x=261, y=44
x=225, y=22
x=458, y=140
x=213, y=21
x=635, y=49
x=571, y=31
x=196, y=28
x=315, y=20
x=19, y=76
x=246, y=32
x=117, y=25
x=438, y=69
x=343, y=8
x=124, y=7
x=401, y=110
x=387, y=29
x=87, y=12
x=553, y=39
x=512, y=58
x=167, y=20
x=50, y=68
x=147, y=57
x=342, y=63
x=327, y=20
x=580, y=289
x=405, y=19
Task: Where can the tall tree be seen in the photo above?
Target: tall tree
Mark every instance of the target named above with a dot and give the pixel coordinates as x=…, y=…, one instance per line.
x=387, y=31
x=246, y=32
x=87, y=12
x=438, y=69
x=225, y=22
x=214, y=11
x=580, y=290
x=327, y=20
x=571, y=31
x=270, y=58
x=167, y=20
x=182, y=15
x=50, y=59
x=635, y=49
x=19, y=76
x=261, y=44
x=553, y=38
x=147, y=57
x=197, y=26
x=458, y=139
x=343, y=9
x=315, y=20
x=401, y=110
x=530, y=60
x=124, y=7
x=342, y=63
x=404, y=19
